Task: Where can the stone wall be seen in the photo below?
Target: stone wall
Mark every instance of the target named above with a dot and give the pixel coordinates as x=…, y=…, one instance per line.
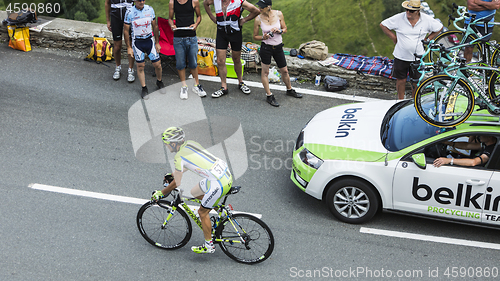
x=77, y=36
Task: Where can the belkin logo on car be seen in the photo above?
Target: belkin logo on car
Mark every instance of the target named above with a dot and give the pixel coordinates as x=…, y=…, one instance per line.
x=347, y=122
x=461, y=197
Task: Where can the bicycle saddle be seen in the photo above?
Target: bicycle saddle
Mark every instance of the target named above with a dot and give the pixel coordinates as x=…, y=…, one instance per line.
x=234, y=189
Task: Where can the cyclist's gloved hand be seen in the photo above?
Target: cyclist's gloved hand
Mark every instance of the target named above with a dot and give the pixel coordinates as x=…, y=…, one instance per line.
x=168, y=178
x=157, y=195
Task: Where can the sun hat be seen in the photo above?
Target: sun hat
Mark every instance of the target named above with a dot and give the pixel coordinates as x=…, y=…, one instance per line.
x=412, y=5
x=264, y=3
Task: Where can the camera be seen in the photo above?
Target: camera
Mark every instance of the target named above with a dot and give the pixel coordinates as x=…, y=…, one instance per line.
x=270, y=33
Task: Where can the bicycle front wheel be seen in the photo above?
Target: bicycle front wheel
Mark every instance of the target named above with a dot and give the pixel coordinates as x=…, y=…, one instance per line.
x=443, y=103
x=245, y=238
x=171, y=235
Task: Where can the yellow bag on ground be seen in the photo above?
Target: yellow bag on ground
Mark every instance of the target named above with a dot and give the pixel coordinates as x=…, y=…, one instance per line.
x=19, y=38
x=206, y=62
x=100, y=50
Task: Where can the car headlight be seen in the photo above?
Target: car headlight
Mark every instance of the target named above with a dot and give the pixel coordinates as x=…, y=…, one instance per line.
x=310, y=159
x=300, y=140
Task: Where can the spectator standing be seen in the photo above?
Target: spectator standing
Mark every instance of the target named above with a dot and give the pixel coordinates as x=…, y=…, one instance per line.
x=140, y=20
x=185, y=41
x=229, y=23
x=481, y=8
x=411, y=28
x=115, y=14
x=272, y=23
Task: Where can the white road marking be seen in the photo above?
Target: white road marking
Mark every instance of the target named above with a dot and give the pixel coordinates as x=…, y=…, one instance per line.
x=109, y=197
x=283, y=88
x=430, y=238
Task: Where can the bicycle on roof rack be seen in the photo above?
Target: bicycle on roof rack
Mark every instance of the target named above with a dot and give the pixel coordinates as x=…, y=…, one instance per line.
x=447, y=98
x=488, y=52
x=243, y=237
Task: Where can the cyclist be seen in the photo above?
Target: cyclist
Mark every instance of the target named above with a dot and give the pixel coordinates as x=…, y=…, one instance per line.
x=115, y=14
x=140, y=22
x=216, y=182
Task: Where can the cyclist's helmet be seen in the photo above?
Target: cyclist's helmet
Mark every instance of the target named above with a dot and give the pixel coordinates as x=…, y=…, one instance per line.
x=173, y=134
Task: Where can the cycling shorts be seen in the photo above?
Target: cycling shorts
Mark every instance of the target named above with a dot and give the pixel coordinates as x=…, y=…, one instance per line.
x=145, y=46
x=117, y=27
x=223, y=39
x=214, y=190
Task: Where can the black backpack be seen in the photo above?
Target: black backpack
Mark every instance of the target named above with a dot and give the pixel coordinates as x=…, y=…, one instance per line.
x=21, y=18
x=334, y=83
x=293, y=52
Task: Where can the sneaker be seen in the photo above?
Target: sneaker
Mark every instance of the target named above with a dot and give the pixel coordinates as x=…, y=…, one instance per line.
x=198, y=89
x=272, y=101
x=144, y=93
x=294, y=94
x=130, y=76
x=184, y=93
x=203, y=249
x=244, y=88
x=220, y=93
x=117, y=73
x=160, y=86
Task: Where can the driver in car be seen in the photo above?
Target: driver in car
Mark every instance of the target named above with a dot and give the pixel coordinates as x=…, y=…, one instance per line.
x=485, y=145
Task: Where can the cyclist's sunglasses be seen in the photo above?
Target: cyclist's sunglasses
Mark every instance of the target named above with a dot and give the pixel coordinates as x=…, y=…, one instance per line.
x=410, y=11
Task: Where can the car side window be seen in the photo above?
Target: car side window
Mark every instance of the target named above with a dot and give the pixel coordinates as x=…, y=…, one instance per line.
x=466, y=147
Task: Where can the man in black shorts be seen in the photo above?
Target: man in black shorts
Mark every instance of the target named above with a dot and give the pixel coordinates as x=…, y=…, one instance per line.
x=115, y=14
x=227, y=17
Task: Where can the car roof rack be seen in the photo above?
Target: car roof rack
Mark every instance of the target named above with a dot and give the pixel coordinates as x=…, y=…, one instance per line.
x=494, y=122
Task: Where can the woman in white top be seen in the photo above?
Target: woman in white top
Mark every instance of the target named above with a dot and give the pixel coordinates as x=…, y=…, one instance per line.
x=272, y=24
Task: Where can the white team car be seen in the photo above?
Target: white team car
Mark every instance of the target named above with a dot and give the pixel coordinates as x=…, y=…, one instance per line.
x=360, y=158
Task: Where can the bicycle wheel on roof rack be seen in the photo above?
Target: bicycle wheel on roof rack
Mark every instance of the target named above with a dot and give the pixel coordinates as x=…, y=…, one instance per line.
x=453, y=38
x=443, y=102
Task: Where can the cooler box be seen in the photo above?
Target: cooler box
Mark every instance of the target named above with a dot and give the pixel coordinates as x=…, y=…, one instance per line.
x=230, y=68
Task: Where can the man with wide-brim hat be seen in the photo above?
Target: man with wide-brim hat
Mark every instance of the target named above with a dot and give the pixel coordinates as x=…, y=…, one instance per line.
x=411, y=28
x=413, y=5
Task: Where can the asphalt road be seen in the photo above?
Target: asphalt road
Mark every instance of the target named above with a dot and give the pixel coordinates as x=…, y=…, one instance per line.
x=65, y=123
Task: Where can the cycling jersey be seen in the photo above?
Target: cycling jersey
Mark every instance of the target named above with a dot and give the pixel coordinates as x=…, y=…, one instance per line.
x=229, y=22
x=140, y=21
x=217, y=178
x=119, y=7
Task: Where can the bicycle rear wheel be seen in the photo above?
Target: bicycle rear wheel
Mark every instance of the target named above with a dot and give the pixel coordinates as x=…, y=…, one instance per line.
x=453, y=38
x=494, y=88
x=150, y=221
x=443, y=103
x=258, y=239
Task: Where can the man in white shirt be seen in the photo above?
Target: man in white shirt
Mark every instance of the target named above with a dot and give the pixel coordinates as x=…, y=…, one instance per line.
x=411, y=28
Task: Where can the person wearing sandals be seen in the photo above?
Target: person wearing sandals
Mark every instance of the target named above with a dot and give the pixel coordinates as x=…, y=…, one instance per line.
x=229, y=23
x=273, y=26
x=186, y=42
x=115, y=14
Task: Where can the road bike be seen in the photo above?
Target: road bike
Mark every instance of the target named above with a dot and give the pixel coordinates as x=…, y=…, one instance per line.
x=473, y=35
x=243, y=237
x=448, y=99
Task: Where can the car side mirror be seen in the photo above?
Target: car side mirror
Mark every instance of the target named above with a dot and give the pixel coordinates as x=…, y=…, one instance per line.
x=419, y=160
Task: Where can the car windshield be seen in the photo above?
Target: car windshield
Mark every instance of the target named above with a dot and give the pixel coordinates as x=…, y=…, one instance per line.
x=402, y=127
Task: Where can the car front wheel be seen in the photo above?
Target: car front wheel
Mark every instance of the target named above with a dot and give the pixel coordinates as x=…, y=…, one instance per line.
x=352, y=201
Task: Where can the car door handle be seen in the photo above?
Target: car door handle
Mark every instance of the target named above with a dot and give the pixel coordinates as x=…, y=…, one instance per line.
x=475, y=182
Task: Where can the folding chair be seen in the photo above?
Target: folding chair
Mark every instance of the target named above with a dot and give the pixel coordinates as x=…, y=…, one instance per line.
x=167, y=53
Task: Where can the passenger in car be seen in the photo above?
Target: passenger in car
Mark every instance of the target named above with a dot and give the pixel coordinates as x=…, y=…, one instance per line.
x=485, y=146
